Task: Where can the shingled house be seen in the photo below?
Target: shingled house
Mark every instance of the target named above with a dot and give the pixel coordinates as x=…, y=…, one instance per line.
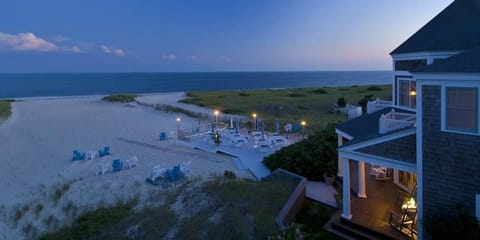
x=426, y=142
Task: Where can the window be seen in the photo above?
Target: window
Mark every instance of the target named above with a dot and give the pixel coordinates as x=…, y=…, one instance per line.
x=461, y=109
x=407, y=93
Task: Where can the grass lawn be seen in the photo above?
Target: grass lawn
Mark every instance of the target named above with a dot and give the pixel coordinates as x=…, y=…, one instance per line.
x=289, y=105
x=5, y=108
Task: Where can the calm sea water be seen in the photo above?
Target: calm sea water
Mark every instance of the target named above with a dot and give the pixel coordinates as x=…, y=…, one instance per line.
x=41, y=85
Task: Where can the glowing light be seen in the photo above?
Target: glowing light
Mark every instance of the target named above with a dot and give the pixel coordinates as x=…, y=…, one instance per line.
x=178, y=120
x=303, y=123
x=413, y=93
x=254, y=115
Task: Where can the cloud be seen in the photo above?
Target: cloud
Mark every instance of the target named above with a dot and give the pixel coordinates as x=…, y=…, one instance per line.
x=112, y=50
x=59, y=38
x=170, y=57
x=26, y=42
x=225, y=59
x=75, y=49
x=191, y=58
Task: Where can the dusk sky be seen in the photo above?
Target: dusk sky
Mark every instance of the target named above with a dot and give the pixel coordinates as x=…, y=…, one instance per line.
x=207, y=35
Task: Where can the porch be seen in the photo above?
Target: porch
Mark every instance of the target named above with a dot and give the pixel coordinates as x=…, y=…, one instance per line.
x=370, y=214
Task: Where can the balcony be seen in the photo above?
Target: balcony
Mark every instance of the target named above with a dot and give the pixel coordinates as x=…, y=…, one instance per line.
x=392, y=121
x=377, y=105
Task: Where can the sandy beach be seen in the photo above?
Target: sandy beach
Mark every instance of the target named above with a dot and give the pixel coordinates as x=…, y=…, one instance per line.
x=36, y=145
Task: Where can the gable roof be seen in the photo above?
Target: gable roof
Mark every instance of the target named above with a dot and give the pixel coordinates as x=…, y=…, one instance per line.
x=465, y=62
x=456, y=28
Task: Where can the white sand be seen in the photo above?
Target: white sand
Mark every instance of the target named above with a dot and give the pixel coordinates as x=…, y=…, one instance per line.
x=36, y=145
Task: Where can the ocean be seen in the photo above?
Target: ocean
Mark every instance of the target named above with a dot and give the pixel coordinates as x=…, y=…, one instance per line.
x=80, y=84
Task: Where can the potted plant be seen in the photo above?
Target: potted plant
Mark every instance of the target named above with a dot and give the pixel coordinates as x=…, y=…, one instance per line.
x=330, y=172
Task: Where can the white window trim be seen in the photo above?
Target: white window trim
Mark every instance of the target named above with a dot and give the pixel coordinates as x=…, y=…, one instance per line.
x=398, y=93
x=443, y=109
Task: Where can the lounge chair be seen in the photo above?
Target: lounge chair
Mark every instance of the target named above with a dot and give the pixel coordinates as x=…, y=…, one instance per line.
x=78, y=155
x=175, y=173
x=117, y=165
x=132, y=162
x=155, y=173
x=104, y=152
x=380, y=173
x=163, y=136
x=103, y=167
x=91, y=155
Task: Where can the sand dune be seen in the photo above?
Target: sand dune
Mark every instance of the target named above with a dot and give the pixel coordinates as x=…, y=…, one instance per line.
x=36, y=145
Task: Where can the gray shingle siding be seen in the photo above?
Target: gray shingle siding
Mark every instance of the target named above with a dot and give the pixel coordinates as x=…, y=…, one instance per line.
x=403, y=149
x=451, y=162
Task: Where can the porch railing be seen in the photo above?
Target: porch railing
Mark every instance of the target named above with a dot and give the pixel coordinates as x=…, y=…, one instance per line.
x=377, y=105
x=395, y=120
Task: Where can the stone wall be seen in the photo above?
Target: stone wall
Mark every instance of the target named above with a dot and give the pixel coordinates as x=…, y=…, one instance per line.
x=451, y=163
x=403, y=149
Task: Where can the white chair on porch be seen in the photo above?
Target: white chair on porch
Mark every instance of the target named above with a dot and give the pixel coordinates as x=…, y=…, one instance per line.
x=380, y=173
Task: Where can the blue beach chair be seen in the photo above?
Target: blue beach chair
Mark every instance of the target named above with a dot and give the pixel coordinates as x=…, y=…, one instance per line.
x=117, y=165
x=163, y=136
x=104, y=152
x=78, y=155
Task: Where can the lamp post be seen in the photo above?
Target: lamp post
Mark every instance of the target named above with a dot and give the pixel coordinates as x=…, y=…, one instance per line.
x=216, y=118
x=303, y=123
x=178, y=127
x=256, y=121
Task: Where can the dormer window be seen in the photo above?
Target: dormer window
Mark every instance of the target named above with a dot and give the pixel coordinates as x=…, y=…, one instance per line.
x=407, y=93
x=460, y=109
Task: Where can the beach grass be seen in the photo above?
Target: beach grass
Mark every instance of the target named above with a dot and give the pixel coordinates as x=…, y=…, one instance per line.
x=124, y=98
x=5, y=108
x=219, y=208
x=313, y=105
x=312, y=217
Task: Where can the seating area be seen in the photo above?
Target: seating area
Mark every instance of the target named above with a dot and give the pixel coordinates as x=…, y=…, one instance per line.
x=78, y=155
x=164, y=177
x=115, y=165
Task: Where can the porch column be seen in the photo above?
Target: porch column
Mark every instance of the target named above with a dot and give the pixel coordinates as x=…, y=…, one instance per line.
x=340, y=159
x=361, y=180
x=346, y=189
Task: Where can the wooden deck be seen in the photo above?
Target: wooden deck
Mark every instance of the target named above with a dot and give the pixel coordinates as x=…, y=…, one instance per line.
x=373, y=213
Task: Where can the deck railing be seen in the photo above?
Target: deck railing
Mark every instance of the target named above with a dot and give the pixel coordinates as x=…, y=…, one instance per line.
x=395, y=120
x=377, y=105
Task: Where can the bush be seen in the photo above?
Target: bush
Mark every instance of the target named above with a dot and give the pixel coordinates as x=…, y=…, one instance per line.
x=374, y=88
x=120, y=98
x=229, y=175
x=363, y=102
x=91, y=223
x=320, y=91
x=310, y=158
x=242, y=94
x=341, y=102
x=297, y=95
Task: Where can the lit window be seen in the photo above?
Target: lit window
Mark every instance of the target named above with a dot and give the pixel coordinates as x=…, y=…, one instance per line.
x=461, y=109
x=407, y=93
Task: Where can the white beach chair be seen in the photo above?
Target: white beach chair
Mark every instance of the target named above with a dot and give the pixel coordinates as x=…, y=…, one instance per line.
x=104, y=167
x=132, y=162
x=157, y=172
x=91, y=155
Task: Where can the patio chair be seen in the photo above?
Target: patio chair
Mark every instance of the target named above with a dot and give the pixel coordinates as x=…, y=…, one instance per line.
x=104, y=152
x=103, y=167
x=117, y=165
x=132, y=162
x=78, y=155
x=163, y=136
x=380, y=173
x=175, y=173
x=156, y=172
x=404, y=222
x=91, y=155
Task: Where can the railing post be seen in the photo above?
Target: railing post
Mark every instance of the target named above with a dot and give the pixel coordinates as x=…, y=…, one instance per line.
x=381, y=123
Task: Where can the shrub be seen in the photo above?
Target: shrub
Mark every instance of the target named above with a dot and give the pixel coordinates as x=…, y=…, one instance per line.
x=374, y=88
x=120, y=98
x=310, y=158
x=242, y=94
x=363, y=102
x=297, y=95
x=341, y=102
x=229, y=175
x=320, y=91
